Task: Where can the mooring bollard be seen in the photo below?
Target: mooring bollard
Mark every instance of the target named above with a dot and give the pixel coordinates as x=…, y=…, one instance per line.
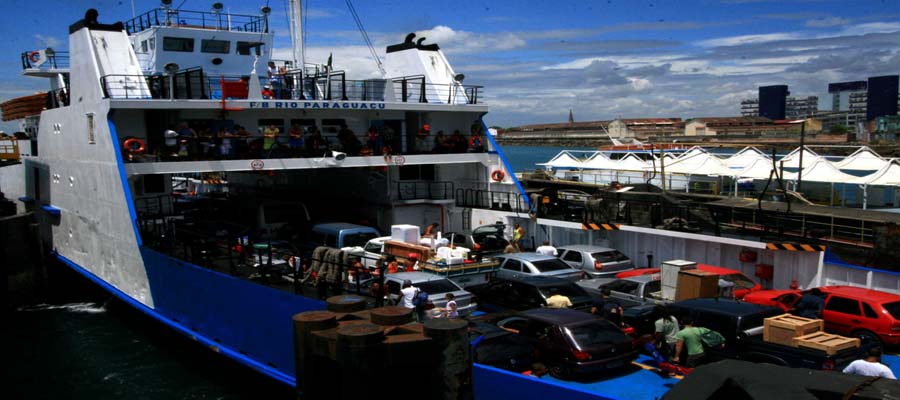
x=310, y=371
x=360, y=355
x=346, y=303
x=452, y=378
x=392, y=315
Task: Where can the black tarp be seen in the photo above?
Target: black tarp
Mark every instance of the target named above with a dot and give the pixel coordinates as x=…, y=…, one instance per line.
x=740, y=380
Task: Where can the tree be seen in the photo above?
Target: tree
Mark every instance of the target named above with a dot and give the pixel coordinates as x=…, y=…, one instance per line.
x=838, y=129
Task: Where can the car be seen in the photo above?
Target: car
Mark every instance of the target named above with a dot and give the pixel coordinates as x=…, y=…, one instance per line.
x=741, y=324
x=527, y=292
x=516, y=265
x=597, y=261
x=437, y=288
x=742, y=283
x=572, y=342
x=628, y=292
x=500, y=348
x=872, y=316
x=340, y=234
x=371, y=252
x=488, y=238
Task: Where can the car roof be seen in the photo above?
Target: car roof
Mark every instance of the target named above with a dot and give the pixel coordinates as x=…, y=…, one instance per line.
x=862, y=293
x=527, y=256
x=538, y=280
x=414, y=277
x=560, y=316
x=723, y=305
x=586, y=247
x=339, y=226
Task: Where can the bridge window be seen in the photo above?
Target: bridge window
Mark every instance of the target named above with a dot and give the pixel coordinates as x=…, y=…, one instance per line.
x=244, y=48
x=215, y=46
x=178, y=44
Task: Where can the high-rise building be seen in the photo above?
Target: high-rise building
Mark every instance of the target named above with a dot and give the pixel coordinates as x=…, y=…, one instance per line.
x=882, y=96
x=840, y=94
x=750, y=108
x=772, y=101
x=794, y=107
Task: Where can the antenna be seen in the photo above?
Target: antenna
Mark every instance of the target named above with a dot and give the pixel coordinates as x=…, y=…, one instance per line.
x=295, y=16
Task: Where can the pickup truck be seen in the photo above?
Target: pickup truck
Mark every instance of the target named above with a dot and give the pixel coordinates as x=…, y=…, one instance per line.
x=742, y=326
x=628, y=292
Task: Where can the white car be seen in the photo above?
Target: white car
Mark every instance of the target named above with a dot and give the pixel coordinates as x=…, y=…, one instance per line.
x=437, y=288
x=371, y=252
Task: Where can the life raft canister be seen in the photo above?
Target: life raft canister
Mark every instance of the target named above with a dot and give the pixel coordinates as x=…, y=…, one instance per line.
x=134, y=145
x=497, y=175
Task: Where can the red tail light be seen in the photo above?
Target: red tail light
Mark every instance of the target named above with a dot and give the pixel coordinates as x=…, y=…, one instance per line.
x=895, y=326
x=828, y=365
x=598, y=266
x=582, y=355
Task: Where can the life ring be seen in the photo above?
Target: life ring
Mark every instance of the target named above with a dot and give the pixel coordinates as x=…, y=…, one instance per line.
x=129, y=145
x=34, y=56
x=497, y=175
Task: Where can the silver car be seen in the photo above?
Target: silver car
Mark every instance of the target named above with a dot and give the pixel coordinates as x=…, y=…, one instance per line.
x=519, y=265
x=437, y=288
x=596, y=261
x=629, y=292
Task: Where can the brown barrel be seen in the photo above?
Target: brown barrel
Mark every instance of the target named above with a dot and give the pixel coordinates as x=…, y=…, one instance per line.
x=452, y=377
x=392, y=315
x=312, y=372
x=346, y=303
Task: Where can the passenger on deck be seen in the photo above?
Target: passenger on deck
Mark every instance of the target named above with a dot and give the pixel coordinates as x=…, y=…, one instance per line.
x=431, y=230
x=270, y=135
x=373, y=138
x=267, y=92
x=186, y=137
x=547, y=249
x=458, y=142
x=393, y=266
x=349, y=142
x=170, y=147
x=558, y=300
x=441, y=143
x=689, y=337
x=205, y=141
x=811, y=304
x=315, y=143
x=274, y=78
x=224, y=138
x=422, y=139
x=476, y=142
x=296, y=142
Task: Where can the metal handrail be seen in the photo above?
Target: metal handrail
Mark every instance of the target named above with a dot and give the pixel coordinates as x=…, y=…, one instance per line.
x=197, y=19
x=55, y=60
x=424, y=190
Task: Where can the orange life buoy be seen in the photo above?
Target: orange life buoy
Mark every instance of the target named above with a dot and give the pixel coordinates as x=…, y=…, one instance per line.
x=129, y=144
x=497, y=175
x=34, y=56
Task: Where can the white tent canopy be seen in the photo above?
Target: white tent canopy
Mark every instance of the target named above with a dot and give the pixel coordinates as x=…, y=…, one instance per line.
x=888, y=175
x=599, y=161
x=693, y=151
x=631, y=162
x=863, y=159
x=792, y=160
x=746, y=157
x=700, y=163
x=563, y=160
x=820, y=170
x=759, y=169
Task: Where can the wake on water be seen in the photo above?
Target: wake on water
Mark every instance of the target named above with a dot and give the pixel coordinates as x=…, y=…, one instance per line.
x=87, y=308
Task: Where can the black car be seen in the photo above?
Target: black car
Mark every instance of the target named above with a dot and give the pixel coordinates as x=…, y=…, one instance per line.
x=485, y=239
x=572, y=342
x=527, y=292
x=499, y=348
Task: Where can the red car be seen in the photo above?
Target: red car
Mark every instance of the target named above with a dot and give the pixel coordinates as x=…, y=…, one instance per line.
x=870, y=315
x=742, y=284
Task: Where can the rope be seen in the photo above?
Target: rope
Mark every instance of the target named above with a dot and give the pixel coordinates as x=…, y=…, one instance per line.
x=365, y=36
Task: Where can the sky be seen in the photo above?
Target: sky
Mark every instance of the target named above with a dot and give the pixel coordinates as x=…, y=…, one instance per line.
x=603, y=59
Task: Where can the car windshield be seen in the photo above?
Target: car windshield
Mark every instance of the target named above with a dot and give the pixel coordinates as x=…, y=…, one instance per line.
x=437, y=286
x=594, y=333
x=740, y=281
x=893, y=309
x=373, y=247
x=609, y=256
x=358, y=239
x=570, y=290
x=551, y=265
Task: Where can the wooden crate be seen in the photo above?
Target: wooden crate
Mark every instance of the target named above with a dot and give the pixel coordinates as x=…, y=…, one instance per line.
x=830, y=344
x=784, y=328
x=402, y=250
x=695, y=283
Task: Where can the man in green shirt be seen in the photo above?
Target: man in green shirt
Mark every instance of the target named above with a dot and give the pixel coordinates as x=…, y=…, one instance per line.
x=689, y=336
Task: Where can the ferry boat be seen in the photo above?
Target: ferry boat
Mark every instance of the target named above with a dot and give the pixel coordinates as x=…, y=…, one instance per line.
x=165, y=145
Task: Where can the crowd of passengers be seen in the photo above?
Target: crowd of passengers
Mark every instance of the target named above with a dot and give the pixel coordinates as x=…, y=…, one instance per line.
x=200, y=141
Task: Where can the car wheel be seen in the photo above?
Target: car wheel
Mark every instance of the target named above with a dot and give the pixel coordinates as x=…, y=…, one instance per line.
x=868, y=337
x=560, y=372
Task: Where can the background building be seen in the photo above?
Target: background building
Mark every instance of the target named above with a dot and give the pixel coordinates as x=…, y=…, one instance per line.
x=882, y=96
x=772, y=101
x=794, y=107
x=840, y=94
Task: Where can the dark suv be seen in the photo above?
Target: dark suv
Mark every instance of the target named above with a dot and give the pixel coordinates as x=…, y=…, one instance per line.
x=527, y=293
x=573, y=342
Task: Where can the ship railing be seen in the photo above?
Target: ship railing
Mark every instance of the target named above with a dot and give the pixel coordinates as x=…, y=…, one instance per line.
x=424, y=190
x=198, y=20
x=54, y=60
x=185, y=84
x=414, y=88
x=493, y=200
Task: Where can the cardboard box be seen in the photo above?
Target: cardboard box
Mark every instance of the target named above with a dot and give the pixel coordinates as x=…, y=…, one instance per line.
x=784, y=328
x=669, y=276
x=695, y=283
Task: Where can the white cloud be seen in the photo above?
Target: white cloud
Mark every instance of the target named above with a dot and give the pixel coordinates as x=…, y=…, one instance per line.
x=47, y=41
x=640, y=84
x=826, y=22
x=872, y=27
x=453, y=41
x=749, y=39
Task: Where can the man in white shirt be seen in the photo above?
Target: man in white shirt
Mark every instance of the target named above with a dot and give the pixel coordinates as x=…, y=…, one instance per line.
x=547, y=249
x=870, y=366
x=407, y=294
